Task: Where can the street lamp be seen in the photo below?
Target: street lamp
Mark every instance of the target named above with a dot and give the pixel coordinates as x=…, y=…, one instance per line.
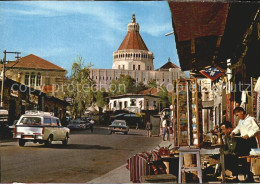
x=3, y=73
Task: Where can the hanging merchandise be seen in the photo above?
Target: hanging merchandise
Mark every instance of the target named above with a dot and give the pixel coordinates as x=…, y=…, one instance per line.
x=258, y=108
x=243, y=99
x=257, y=85
x=188, y=113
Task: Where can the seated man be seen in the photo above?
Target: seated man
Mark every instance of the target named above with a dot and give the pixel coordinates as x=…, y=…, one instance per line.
x=232, y=149
x=247, y=127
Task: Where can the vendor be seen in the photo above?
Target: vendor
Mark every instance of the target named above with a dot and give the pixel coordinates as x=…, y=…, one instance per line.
x=247, y=127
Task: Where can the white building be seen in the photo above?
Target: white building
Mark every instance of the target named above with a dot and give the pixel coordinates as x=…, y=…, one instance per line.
x=134, y=59
x=133, y=102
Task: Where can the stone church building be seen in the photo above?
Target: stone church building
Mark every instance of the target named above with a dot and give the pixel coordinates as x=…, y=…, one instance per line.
x=133, y=58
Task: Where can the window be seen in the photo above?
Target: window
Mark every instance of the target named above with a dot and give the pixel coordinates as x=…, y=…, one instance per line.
x=38, y=80
x=118, y=66
x=114, y=103
x=31, y=121
x=32, y=82
x=133, y=67
x=26, y=79
x=123, y=67
x=125, y=104
x=133, y=102
x=54, y=122
x=47, y=121
x=147, y=67
x=139, y=67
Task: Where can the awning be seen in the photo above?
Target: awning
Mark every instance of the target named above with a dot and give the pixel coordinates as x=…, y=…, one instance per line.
x=209, y=33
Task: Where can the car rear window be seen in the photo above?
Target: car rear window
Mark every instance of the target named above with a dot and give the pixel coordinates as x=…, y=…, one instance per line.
x=47, y=121
x=31, y=121
x=119, y=123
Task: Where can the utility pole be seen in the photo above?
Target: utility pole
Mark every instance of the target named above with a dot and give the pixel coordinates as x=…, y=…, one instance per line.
x=3, y=73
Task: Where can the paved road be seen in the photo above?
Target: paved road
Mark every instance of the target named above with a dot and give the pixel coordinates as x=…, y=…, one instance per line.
x=87, y=156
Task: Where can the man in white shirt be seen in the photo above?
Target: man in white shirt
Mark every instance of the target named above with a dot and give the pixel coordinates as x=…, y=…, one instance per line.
x=247, y=127
x=165, y=129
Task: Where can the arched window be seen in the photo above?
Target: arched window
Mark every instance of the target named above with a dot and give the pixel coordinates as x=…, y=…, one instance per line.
x=26, y=79
x=38, y=80
x=32, y=82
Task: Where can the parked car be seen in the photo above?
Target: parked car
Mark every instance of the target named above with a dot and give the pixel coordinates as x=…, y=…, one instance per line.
x=86, y=121
x=11, y=127
x=119, y=126
x=41, y=127
x=131, y=119
x=77, y=124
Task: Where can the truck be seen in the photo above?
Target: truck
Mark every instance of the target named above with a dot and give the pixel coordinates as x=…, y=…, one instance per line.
x=40, y=127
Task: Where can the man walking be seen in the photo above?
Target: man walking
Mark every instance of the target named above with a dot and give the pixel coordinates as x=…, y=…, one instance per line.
x=149, y=128
x=165, y=129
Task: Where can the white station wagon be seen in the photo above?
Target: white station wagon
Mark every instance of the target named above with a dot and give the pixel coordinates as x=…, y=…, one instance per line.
x=40, y=127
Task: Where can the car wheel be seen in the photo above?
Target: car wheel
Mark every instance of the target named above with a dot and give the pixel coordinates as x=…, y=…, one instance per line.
x=49, y=140
x=66, y=140
x=21, y=142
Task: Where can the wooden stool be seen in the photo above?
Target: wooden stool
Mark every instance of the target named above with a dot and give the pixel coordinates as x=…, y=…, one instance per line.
x=182, y=168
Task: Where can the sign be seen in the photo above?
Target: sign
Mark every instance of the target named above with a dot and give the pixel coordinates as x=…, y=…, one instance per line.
x=49, y=88
x=213, y=72
x=33, y=99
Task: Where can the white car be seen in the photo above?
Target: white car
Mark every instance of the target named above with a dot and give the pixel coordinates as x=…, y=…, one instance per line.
x=40, y=127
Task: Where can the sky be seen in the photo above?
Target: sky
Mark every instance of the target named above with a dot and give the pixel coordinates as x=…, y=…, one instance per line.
x=61, y=31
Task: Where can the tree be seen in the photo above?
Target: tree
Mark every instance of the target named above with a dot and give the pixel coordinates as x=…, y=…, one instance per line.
x=140, y=87
x=126, y=84
x=152, y=83
x=101, y=99
x=80, y=87
x=165, y=97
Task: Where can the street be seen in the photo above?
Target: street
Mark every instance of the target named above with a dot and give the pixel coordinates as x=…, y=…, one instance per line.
x=87, y=156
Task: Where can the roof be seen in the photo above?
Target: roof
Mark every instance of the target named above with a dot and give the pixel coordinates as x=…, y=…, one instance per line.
x=151, y=91
x=169, y=65
x=133, y=40
x=34, y=62
x=131, y=95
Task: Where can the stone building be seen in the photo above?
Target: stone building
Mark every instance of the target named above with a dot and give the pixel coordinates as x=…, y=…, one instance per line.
x=37, y=73
x=133, y=58
x=19, y=98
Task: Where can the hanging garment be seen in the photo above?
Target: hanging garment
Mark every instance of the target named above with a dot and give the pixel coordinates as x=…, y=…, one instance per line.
x=257, y=85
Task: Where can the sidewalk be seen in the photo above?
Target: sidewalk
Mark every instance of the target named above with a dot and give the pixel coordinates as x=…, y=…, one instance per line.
x=120, y=174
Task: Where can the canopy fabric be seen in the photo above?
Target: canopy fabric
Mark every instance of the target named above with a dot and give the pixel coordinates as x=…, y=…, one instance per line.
x=195, y=19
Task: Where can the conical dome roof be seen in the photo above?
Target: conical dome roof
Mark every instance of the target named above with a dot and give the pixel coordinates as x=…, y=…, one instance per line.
x=133, y=39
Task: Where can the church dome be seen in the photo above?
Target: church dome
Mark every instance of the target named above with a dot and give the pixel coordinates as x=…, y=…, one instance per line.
x=133, y=39
x=133, y=54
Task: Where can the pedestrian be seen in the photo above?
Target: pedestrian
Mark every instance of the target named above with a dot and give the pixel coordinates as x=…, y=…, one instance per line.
x=165, y=129
x=91, y=125
x=149, y=128
x=247, y=127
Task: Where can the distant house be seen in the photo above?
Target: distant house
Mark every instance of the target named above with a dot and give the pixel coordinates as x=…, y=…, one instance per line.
x=133, y=102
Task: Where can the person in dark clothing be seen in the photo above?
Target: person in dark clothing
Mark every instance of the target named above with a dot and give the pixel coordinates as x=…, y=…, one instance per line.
x=232, y=149
x=91, y=125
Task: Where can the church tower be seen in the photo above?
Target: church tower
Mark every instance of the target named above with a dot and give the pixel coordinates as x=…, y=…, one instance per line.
x=133, y=53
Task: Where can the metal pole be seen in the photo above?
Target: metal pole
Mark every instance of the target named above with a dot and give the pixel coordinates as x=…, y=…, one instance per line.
x=3, y=79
